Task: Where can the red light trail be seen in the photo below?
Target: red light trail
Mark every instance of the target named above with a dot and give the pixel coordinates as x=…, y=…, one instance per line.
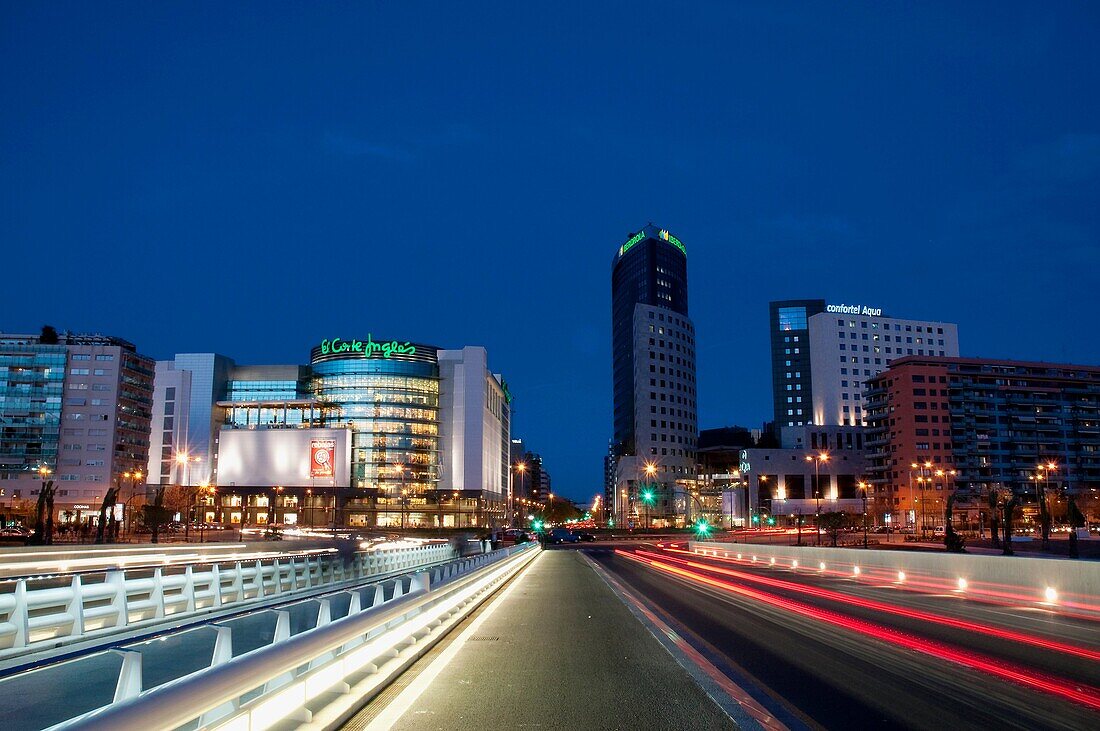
x=892, y=609
x=1079, y=693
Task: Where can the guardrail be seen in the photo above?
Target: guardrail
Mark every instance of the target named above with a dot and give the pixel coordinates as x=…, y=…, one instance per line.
x=40, y=614
x=1052, y=582
x=359, y=639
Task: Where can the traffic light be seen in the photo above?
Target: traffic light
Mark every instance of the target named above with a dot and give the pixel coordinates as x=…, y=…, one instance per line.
x=771, y=521
x=756, y=519
x=702, y=528
x=647, y=497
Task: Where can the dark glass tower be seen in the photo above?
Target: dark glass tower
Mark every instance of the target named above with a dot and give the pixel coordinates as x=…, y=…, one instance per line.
x=649, y=268
x=788, y=323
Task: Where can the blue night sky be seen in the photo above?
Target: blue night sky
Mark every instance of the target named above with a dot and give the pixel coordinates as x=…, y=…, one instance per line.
x=250, y=179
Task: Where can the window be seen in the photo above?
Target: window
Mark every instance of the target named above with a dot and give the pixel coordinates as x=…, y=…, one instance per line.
x=792, y=318
x=78, y=371
x=101, y=372
x=104, y=357
x=81, y=356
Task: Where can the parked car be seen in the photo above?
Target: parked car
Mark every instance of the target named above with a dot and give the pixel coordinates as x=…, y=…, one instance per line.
x=562, y=535
x=939, y=531
x=584, y=536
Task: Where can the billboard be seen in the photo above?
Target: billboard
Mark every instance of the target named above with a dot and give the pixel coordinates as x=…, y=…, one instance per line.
x=322, y=458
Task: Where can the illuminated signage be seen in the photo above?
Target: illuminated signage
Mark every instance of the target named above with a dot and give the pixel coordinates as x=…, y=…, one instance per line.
x=854, y=310
x=664, y=234
x=507, y=392
x=322, y=453
x=367, y=348
x=630, y=242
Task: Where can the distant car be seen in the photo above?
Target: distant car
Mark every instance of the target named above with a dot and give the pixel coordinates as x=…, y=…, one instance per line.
x=584, y=536
x=561, y=535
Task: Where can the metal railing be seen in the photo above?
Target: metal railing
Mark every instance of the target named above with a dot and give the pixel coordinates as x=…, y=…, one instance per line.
x=39, y=613
x=351, y=650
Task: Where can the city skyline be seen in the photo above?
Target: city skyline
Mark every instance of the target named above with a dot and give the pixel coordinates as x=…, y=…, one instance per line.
x=265, y=212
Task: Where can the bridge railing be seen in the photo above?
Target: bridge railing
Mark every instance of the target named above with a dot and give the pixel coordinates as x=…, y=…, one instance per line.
x=356, y=641
x=39, y=613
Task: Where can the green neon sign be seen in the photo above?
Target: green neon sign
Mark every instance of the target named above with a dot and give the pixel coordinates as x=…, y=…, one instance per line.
x=664, y=234
x=630, y=242
x=367, y=348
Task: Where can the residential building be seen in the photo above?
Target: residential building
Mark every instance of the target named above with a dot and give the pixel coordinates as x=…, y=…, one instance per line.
x=77, y=409
x=998, y=424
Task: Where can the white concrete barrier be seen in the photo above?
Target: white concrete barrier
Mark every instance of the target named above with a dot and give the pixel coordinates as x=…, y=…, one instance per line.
x=1070, y=583
x=297, y=677
x=44, y=612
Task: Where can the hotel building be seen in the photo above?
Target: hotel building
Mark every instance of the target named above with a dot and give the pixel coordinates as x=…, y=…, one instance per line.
x=823, y=355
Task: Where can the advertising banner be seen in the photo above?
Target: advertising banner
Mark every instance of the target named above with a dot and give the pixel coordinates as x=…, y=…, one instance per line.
x=322, y=456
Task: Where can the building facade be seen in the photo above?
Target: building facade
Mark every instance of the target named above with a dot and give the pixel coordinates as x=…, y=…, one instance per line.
x=410, y=435
x=76, y=411
x=653, y=370
x=815, y=469
x=186, y=419
x=823, y=354
x=997, y=424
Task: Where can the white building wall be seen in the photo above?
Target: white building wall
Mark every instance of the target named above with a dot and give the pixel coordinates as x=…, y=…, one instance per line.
x=473, y=431
x=168, y=430
x=842, y=359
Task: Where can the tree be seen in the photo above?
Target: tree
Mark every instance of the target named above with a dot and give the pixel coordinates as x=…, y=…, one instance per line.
x=951, y=540
x=107, y=515
x=1076, y=520
x=48, y=336
x=994, y=519
x=155, y=514
x=832, y=523
x=1006, y=524
x=43, y=526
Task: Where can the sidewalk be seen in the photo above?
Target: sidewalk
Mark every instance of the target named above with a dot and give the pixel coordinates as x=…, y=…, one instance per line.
x=560, y=650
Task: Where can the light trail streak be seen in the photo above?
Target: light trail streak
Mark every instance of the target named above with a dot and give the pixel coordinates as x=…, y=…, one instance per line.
x=878, y=606
x=1077, y=692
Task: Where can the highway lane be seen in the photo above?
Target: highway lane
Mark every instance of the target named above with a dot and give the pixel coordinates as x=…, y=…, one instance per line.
x=838, y=676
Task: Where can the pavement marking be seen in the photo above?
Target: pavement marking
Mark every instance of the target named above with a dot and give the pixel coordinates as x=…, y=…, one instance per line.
x=404, y=701
x=745, y=711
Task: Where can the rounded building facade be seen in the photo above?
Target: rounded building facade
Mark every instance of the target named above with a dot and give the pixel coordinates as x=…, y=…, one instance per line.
x=388, y=393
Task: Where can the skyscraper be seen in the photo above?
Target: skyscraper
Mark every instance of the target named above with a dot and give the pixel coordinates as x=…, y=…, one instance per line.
x=653, y=354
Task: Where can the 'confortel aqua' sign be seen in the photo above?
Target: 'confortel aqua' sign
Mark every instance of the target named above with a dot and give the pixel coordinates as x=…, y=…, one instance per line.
x=854, y=310
x=367, y=348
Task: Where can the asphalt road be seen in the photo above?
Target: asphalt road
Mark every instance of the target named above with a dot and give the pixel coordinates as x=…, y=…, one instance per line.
x=839, y=661
x=561, y=651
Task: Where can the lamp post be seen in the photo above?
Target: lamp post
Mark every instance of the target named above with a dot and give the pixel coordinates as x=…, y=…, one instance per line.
x=185, y=460
x=206, y=489
x=133, y=476
x=947, y=476
x=863, y=488
x=520, y=468
x=817, y=459
x=650, y=473
x=309, y=507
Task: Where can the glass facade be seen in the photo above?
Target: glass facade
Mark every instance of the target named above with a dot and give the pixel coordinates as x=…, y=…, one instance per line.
x=392, y=405
x=31, y=386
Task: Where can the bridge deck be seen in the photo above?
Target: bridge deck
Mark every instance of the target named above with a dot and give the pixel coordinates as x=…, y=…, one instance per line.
x=558, y=650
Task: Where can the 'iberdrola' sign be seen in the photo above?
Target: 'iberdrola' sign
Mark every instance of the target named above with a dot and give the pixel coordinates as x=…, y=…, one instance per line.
x=367, y=348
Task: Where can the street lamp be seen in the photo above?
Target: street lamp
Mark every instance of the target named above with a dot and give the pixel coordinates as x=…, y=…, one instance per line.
x=863, y=487
x=521, y=469
x=817, y=459
x=185, y=460
x=133, y=476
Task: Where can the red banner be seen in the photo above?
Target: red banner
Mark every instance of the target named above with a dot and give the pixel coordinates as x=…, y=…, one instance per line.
x=322, y=458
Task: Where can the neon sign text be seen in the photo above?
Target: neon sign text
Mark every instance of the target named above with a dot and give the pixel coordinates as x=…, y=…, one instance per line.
x=367, y=348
